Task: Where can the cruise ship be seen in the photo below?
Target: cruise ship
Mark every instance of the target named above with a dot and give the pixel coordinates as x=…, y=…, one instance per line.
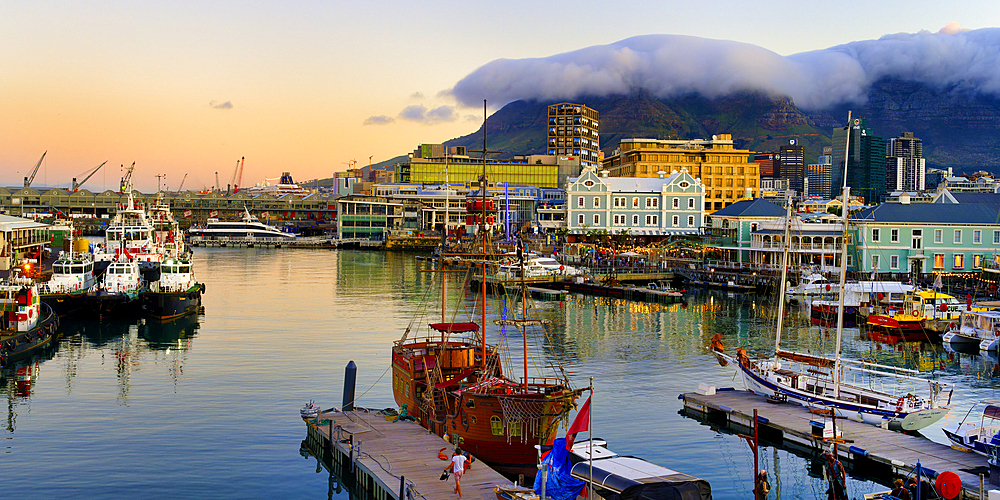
x=250, y=228
x=284, y=186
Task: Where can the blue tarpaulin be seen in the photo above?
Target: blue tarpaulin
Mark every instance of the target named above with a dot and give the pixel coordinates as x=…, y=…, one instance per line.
x=560, y=485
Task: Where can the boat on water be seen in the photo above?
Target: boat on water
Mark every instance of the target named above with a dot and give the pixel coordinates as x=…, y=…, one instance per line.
x=915, y=319
x=975, y=329
x=250, y=228
x=812, y=286
x=27, y=325
x=72, y=277
x=176, y=293
x=859, y=300
x=117, y=291
x=822, y=382
x=980, y=437
x=535, y=266
x=130, y=234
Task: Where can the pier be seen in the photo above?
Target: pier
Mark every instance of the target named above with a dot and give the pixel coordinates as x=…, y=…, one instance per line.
x=392, y=460
x=871, y=451
x=303, y=242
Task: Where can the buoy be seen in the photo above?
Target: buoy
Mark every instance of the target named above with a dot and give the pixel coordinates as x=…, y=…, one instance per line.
x=948, y=484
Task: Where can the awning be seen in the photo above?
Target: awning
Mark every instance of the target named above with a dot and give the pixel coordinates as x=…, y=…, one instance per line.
x=459, y=378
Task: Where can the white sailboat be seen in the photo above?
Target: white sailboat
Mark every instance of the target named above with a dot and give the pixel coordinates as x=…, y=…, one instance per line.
x=822, y=382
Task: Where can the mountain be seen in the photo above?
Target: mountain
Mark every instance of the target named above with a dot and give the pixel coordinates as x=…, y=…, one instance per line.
x=959, y=128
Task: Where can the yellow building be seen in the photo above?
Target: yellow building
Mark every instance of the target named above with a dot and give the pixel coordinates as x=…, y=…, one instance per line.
x=532, y=170
x=728, y=174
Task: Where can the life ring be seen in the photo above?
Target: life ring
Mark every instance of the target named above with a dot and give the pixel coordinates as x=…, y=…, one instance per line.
x=916, y=313
x=899, y=404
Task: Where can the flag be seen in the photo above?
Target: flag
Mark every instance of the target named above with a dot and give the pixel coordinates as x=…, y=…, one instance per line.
x=937, y=282
x=580, y=423
x=187, y=213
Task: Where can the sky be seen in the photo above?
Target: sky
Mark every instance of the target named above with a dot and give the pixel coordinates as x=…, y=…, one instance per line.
x=190, y=87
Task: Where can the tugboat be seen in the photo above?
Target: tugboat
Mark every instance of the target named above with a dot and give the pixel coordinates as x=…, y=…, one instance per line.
x=117, y=293
x=176, y=293
x=72, y=277
x=26, y=324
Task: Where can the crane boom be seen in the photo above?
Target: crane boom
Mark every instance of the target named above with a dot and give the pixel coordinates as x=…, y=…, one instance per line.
x=127, y=179
x=76, y=185
x=181, y=187
x=239, y=176
x=27, y=180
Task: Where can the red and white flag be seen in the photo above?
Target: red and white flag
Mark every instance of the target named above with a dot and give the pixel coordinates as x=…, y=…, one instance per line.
x=580, y=424
x=213, y=213
x=188, y=213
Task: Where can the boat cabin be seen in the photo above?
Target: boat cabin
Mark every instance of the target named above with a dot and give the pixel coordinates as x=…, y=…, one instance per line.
x=20, y=307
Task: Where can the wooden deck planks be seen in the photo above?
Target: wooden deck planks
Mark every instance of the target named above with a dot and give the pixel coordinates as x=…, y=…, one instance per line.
x=881, y=444
x=393, y=449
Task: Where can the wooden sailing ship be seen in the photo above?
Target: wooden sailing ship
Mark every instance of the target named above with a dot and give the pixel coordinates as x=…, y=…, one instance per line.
x=453, y=382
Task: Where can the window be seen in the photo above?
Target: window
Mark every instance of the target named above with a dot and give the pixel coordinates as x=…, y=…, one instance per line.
x=635, y=220
x=939, y=261
x=656, y=220
x=875, y=234
x=690, y=221
x=894, y=235
x=496, y=425
x=580, y=219
x=977, y=261
x=597, y=219
x=959, y=261
x=938, y=238
x=676, y=221
x=635, y=202
x=875, y=259
x=893, y=262
x=649, y=220
x=597, y=202
x=958, y=236
x=677, y=203
x=977, y=237
x=917, y=239
x=996, y=237
x=579, y=202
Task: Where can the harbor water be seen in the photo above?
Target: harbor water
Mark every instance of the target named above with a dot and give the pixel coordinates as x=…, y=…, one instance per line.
x=207, y=406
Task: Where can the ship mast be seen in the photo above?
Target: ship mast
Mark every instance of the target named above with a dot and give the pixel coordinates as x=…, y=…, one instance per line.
x=843, y=259
x=784, y=273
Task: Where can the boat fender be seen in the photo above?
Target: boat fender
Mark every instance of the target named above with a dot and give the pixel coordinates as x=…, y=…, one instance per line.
x=899, y=404
x=858, y=451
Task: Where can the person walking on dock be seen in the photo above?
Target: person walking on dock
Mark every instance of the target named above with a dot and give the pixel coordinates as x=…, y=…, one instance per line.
x=837, y=476
x=457, y=465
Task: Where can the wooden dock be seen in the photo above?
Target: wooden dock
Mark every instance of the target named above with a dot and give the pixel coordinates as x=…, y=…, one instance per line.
x=385, y=459
x=875, y=452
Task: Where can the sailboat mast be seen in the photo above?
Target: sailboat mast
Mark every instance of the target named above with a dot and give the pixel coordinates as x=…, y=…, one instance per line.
x=843, y=258
x=524, y=317
x=784, y=273
x=483, y=233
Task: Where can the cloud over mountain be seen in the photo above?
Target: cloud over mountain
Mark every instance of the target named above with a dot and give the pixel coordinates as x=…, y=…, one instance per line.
x=673, y=65
x=420, y=113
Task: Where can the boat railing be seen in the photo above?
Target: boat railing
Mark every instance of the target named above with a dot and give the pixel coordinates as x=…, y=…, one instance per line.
x=876, y=365
x=543, y=382
x=436, y=339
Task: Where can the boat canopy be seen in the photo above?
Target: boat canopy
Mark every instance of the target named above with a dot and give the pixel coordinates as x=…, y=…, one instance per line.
x=632, y=477
x=453, y=381
x=455, y=327
x=992, y=411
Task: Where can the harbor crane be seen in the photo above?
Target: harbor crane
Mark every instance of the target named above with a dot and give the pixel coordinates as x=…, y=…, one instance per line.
x=27, y=180
x=76, y=185
x=127, y=179
x=237, y=178
x=181, y=187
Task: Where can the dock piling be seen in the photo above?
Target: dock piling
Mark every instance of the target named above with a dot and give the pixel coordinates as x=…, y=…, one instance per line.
x=350, y=379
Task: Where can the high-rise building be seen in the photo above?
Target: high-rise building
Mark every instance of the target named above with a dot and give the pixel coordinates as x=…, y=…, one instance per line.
x=765, y=162
x=865, y=162
x=726, y=172
x=819, y=178
x=573, y=131
x=791, y=164
x=904, y=164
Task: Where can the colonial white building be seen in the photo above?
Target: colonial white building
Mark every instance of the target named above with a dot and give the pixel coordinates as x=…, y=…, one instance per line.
x=658, y=206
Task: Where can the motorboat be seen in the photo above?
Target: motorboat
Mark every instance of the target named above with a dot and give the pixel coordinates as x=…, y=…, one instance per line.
x=535, y=266
x=918, y=317
x=860, y=299
x=980, y=436
x=26, y=323
x=72, y=277
x=975, y=328
x=812, y=286
x=176, y=293
x=117, y=291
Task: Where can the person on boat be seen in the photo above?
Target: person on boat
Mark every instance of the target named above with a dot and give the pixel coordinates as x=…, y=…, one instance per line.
x=457, y=465
x=837, y=477
x=898, y=491
x=763, y=486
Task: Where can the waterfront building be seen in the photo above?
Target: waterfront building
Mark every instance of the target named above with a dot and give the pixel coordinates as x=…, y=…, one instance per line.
x=934, y=177
x=946, y=236
x=791, y=165
x=814, y=244
x=904, y=163
x=652, y=207
x=765, y=162
x=981, y=184
x=730, y=229
x=20, y=238
x=573, y=131
x=424, y=207
x=774, y=190
x=368, y=217
x=726, y=173
x=427, y=164
x=865, y=161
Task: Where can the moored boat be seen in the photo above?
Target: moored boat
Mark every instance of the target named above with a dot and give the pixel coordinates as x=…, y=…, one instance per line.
x=975, y=329
x=176, y=293
x=981, y=436
x=250, y=228
x=117, y=292
x=72, y=277
x=26, y=324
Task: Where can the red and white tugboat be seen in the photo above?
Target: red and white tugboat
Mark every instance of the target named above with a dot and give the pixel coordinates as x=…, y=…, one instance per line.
x=26, y=324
